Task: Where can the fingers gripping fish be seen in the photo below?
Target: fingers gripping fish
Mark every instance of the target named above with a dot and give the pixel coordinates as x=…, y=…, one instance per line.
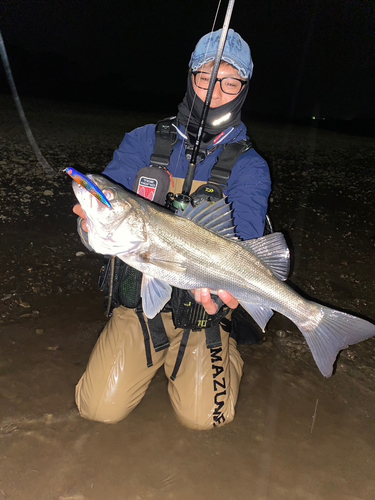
x=199, y=249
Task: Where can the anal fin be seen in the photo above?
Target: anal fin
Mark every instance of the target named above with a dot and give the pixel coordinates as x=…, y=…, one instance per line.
x=260, y=314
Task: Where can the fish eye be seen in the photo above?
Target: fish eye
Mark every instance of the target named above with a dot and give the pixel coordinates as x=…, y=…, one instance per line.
x=109, y=194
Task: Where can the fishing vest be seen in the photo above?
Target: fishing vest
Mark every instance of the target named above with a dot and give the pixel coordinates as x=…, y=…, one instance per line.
x=166, y=138
x=154, y=183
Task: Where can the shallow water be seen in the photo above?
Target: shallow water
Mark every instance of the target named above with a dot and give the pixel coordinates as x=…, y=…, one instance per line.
x=296, y=435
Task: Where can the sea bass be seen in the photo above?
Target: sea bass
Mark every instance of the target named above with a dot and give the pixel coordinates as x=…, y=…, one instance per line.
x=198, y=248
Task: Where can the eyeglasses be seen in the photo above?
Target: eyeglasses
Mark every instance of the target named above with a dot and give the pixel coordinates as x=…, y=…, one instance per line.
x=228, y=85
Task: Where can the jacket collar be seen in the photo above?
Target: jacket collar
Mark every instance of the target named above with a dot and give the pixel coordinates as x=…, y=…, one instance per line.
x=231, y=134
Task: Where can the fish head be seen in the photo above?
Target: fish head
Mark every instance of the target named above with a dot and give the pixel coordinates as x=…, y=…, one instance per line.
x=111, y=231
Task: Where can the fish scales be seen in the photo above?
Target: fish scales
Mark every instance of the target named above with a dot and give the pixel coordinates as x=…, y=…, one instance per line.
x=204, y=253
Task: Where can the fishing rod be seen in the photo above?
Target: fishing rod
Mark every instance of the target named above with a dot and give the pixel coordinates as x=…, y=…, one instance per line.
x=50, y=171
x=183, y=199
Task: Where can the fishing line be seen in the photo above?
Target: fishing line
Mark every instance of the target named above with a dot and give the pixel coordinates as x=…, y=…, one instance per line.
x=213, y=80
x=195, y=95
x=183, y=199
x=209, y=42
x=50, y=171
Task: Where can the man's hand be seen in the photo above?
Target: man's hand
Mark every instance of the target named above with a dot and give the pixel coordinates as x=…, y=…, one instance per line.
x=77, y=209
x=203, y=296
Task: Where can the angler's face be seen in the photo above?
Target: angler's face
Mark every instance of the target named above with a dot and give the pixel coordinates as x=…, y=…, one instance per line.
x=219, y=98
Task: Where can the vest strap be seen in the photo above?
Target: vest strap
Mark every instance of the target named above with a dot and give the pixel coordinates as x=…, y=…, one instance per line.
x=146, y=337
x=158, y=334
x=223, y=168
x=166, y=138
x=213, y=337
x=181, y=352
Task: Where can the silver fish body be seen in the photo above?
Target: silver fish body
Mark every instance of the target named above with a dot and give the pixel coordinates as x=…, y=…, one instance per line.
x=198, y=249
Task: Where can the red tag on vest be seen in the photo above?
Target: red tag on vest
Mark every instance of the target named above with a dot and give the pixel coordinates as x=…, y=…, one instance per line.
x=152, y=183
x=147, y=187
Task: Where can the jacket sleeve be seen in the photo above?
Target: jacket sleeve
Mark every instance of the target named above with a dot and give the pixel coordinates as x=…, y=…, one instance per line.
x=133, y=154
x=248, y=190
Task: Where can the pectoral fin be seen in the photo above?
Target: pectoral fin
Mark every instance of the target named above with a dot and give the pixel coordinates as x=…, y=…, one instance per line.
x=168, y=265
x=155, y=294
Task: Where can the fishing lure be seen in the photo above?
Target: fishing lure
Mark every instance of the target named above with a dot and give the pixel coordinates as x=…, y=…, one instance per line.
x=86, y=183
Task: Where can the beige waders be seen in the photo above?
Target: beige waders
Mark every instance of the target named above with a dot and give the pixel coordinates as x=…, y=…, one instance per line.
x=203, y=394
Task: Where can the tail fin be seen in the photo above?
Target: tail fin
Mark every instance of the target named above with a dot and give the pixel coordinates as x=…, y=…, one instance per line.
x=336, y=331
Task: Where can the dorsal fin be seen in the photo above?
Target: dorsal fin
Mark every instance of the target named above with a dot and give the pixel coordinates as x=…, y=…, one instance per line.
x=273, y=251
x=216, y=217
x=228, y=233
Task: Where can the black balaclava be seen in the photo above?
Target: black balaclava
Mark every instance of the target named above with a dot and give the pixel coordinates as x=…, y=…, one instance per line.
x=192, y=106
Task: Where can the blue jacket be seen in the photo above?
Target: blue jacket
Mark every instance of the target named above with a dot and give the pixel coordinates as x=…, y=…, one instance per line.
x=249, y=185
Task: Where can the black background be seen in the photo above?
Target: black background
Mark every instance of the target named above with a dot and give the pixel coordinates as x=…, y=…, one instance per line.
x=311, y=57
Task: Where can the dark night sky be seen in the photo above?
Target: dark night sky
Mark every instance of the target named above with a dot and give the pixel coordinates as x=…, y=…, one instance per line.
x=311, y=56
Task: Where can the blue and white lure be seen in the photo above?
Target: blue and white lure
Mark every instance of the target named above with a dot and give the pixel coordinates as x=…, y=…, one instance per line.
x=87, y=184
